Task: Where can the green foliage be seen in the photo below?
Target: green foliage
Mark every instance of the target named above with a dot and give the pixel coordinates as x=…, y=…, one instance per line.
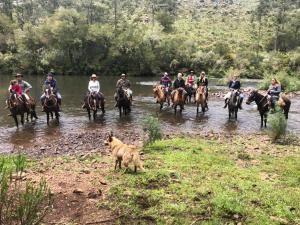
x=277, y=124
x=147, y=37
x=152, y=128
x=20, y=204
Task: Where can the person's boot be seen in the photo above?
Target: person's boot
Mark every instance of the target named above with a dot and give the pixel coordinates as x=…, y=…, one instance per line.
x=226, y=103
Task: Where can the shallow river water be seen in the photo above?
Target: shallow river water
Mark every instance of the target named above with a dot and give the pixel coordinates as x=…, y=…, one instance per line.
x=74, y=117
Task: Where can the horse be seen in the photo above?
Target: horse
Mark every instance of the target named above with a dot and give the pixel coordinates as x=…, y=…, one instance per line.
x=161, y=95
x=51, y=105
x=92, y=101
x=201, y=99
x=178, y=100
x=123, y=101
x=191, y=92
x=31, y=104
x=263, y=105
x=233, y=104
x=17, y=106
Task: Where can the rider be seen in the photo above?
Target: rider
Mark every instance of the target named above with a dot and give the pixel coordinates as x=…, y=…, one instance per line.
x=190, y=80
x=15, y=87
x=234, y=84
x=178, y=83
x=203, y=81
x=274, y=92
x=94, y=86
x=124, y=83
x=52, y=83
x=166, y=82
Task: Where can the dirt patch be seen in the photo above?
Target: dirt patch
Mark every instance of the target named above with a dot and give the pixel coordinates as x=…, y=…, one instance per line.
x=76, y=190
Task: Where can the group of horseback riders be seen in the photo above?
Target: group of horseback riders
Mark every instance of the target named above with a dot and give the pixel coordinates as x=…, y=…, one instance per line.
x=187, y=86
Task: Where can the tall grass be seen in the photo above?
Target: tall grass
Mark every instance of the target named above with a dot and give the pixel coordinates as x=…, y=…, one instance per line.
x=152, y=128
x=21, y=203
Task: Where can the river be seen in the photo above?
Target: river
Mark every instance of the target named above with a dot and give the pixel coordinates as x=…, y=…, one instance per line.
x=74, y=117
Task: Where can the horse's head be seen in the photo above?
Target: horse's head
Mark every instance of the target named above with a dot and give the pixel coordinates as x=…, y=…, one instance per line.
x=200, y=90
x=252, y=96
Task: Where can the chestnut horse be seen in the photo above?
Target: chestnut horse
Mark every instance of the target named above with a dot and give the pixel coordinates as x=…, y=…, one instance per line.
x=92, y=102
x=178, y=99
x=201, y=98
x=161, y=95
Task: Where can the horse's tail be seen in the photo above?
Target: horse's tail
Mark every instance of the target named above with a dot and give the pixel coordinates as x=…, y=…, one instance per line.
x=287, y=108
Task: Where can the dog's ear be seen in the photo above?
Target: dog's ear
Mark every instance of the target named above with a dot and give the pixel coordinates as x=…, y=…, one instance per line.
x=110, y=136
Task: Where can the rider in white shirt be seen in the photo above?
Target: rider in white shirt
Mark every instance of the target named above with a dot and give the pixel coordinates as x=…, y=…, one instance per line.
x=94, y=84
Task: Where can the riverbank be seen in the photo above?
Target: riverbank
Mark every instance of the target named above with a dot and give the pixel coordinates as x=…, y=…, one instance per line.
x=209, y=178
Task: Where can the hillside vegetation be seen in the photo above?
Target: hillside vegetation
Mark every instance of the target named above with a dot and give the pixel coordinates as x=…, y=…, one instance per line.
x=143, y=37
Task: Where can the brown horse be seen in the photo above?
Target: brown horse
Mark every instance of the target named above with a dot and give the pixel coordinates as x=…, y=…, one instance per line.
x=92, y=102
x=161, y=95
x=50, y=105
x=17, y=106
x=31, y=104
x=201, y=99
x=178, y=99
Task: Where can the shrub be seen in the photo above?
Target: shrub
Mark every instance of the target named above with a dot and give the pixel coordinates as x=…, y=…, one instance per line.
x=21, y=203
x=277, y=125
x=152, y=128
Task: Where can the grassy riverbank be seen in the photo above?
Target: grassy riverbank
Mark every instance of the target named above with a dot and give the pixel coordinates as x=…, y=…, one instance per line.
x=197, y=180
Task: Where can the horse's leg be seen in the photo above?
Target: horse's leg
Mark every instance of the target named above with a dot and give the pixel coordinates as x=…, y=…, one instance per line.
x=95, y=114
x=229, y=112
x=262, y=120
x=161, y=106
x=27, y=116
x=102, y=106
x=16, y=120
x=57, y=116
x=181, y=108
x=48, y=117
x=89, y=112
x=266, y=116
x=175, y=109
x=51, y=115
x=197, y=108
x=22, y=118
x=235, y=113
x=120, y=110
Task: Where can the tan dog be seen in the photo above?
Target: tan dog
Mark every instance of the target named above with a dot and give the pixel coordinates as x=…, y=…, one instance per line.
x=127, y=153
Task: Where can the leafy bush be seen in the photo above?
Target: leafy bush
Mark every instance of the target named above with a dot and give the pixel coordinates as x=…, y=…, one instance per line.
x=153, y=129
x=21, y=203
x=277, y=125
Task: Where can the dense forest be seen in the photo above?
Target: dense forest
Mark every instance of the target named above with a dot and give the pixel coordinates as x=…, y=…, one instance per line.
x=145, y=37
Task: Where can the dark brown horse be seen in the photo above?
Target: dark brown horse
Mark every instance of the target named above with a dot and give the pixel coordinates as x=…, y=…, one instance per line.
x=233, y=104
x=17, y=106
x=123, y=102
x=263, y=105
x=191, y=93
x=92, y=102
x=179, y=99
x=161, y=95
x=51, y=105
x=31, y=104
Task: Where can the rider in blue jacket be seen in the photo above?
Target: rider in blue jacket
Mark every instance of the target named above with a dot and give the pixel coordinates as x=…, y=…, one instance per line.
x=50, y=82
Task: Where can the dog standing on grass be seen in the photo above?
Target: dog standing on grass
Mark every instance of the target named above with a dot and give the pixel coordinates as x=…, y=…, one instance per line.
x=123, y=152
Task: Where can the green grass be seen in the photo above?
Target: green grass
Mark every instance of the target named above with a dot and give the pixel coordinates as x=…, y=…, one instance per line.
x=201, y=181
